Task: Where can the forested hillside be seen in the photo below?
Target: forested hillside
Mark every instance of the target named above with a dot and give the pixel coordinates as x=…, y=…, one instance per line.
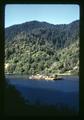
x=42, y=48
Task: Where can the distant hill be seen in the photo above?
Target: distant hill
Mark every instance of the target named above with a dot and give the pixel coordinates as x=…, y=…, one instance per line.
x=39, y=47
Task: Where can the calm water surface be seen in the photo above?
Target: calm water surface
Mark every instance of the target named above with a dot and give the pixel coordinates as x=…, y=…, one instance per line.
x=61, y=92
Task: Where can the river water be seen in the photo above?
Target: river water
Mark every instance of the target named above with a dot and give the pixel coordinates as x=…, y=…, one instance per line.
x=61, y=92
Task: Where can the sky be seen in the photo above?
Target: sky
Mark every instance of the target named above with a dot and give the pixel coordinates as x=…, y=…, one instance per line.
x=51, y=13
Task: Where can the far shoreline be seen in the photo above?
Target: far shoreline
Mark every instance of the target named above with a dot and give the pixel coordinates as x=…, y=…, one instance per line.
x=27, y=77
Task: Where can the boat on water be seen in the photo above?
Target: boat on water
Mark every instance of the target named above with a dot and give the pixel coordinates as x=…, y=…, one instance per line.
x=57, y=78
